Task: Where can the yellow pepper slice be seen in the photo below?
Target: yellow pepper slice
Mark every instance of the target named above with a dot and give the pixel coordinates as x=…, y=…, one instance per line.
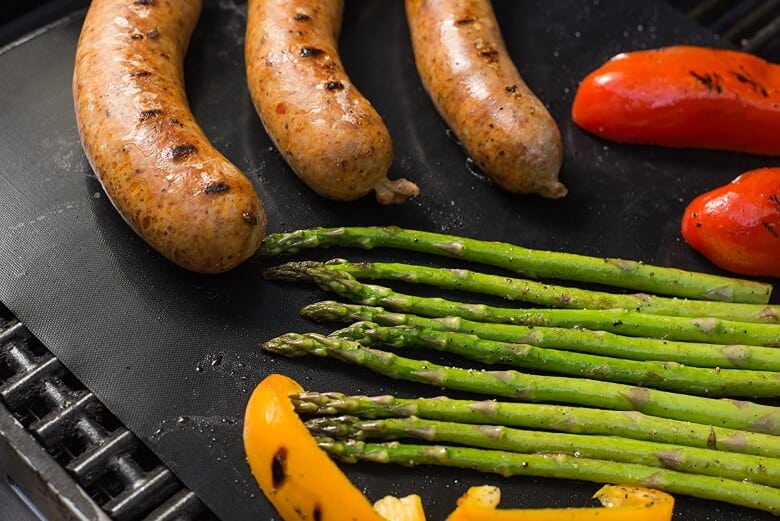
x=296, y=476
x=620, y=503
x=407, y=508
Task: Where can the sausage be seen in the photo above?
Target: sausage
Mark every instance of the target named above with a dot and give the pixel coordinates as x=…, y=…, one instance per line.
x=469, y=75
x=329, y=134
x=153, y=160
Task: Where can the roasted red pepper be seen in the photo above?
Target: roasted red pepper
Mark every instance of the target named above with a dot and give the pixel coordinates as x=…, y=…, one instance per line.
x=684, y=96
x=737, y=226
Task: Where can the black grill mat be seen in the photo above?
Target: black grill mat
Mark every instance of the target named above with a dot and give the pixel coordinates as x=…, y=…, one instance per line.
x=173, y=354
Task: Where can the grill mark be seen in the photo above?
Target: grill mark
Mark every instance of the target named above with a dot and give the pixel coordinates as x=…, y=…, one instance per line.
x=144, y=2
x=279, y=467
x=180, y=152
x=770, y=227
x=301, y=17
x=710, y=81
x=744, y=78
x=490, y=55
x=334, y=85
x=466, y=20
x=140, y=74
x=216, y=188
x=308, y=52
x=148, y=114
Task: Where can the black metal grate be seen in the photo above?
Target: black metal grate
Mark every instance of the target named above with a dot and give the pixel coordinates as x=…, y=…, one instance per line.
x=117, y=471
x=752, y=25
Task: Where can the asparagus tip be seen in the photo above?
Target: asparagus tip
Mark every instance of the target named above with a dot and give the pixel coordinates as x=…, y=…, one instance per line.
x=292, y=271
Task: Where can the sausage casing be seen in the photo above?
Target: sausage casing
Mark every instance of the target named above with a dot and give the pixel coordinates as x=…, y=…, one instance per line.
x=153, y=160
x=467, y=71
x=326, y=130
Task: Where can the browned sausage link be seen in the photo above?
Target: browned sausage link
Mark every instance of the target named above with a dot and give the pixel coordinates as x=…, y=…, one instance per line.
x=468, y=73
x=153, y=160
x=328, y=133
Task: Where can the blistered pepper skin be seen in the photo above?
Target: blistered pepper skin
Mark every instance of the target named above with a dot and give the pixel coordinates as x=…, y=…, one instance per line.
x=737, y=226
x=684, y=97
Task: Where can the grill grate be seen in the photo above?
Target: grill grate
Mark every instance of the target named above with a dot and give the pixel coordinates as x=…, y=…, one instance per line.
x=752, y=25
x=118, y=472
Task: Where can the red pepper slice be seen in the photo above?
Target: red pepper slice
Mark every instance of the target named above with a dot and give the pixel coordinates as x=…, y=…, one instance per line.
x=737, y=226
x=684, y=96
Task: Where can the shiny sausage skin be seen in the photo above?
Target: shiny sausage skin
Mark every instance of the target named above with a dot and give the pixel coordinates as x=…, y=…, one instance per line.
x=328, y=133
x=154, y=161
x=469, y=75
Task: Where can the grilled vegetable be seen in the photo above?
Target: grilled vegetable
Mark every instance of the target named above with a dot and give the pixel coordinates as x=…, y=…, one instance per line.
x=690, y=460
x=737, y=226
x=741, y=493
x=556, y=418
x=620, y=503
x=536, y=388
x=684, y=96
x=544, y=294
x=651, y=373
x=299, y=480
x=530, y=263
x=570, y=339
x=632, y=323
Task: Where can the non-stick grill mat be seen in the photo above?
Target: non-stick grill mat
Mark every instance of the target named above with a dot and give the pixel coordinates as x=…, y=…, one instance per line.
x=174, y=355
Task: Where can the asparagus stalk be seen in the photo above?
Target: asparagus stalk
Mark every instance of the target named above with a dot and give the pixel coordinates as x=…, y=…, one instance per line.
x=529, y=263
x=535, y=388
x=550, y=295
x=563, y=466
x=729, y=465
x=659, y=375
x=559, y=418
x=581, y=340
x=618, y=321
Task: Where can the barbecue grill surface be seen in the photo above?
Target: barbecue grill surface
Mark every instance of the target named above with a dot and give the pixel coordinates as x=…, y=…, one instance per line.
x=174, y=355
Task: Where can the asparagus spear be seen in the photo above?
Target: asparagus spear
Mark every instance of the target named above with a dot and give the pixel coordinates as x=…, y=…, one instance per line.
x=534, y=388
x=581, y=340
x=507, y=464
x=618, y=321
x=627, y=424
x=530, y=263
x=660, y=375
x=549, y=295
x=729, y=465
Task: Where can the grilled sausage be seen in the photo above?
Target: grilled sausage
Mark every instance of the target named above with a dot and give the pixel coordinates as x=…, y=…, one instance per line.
x=328, y=133
x=151, y=157
x=469, y=75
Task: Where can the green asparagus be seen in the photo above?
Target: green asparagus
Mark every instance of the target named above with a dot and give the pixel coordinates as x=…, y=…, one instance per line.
x=559, y=418
x=617, y=321
x=505, y=463
x=531, y=263
x=549, y=295
x=729, y=465
x=581, y=340
x=534, y=388
x=659, y=375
